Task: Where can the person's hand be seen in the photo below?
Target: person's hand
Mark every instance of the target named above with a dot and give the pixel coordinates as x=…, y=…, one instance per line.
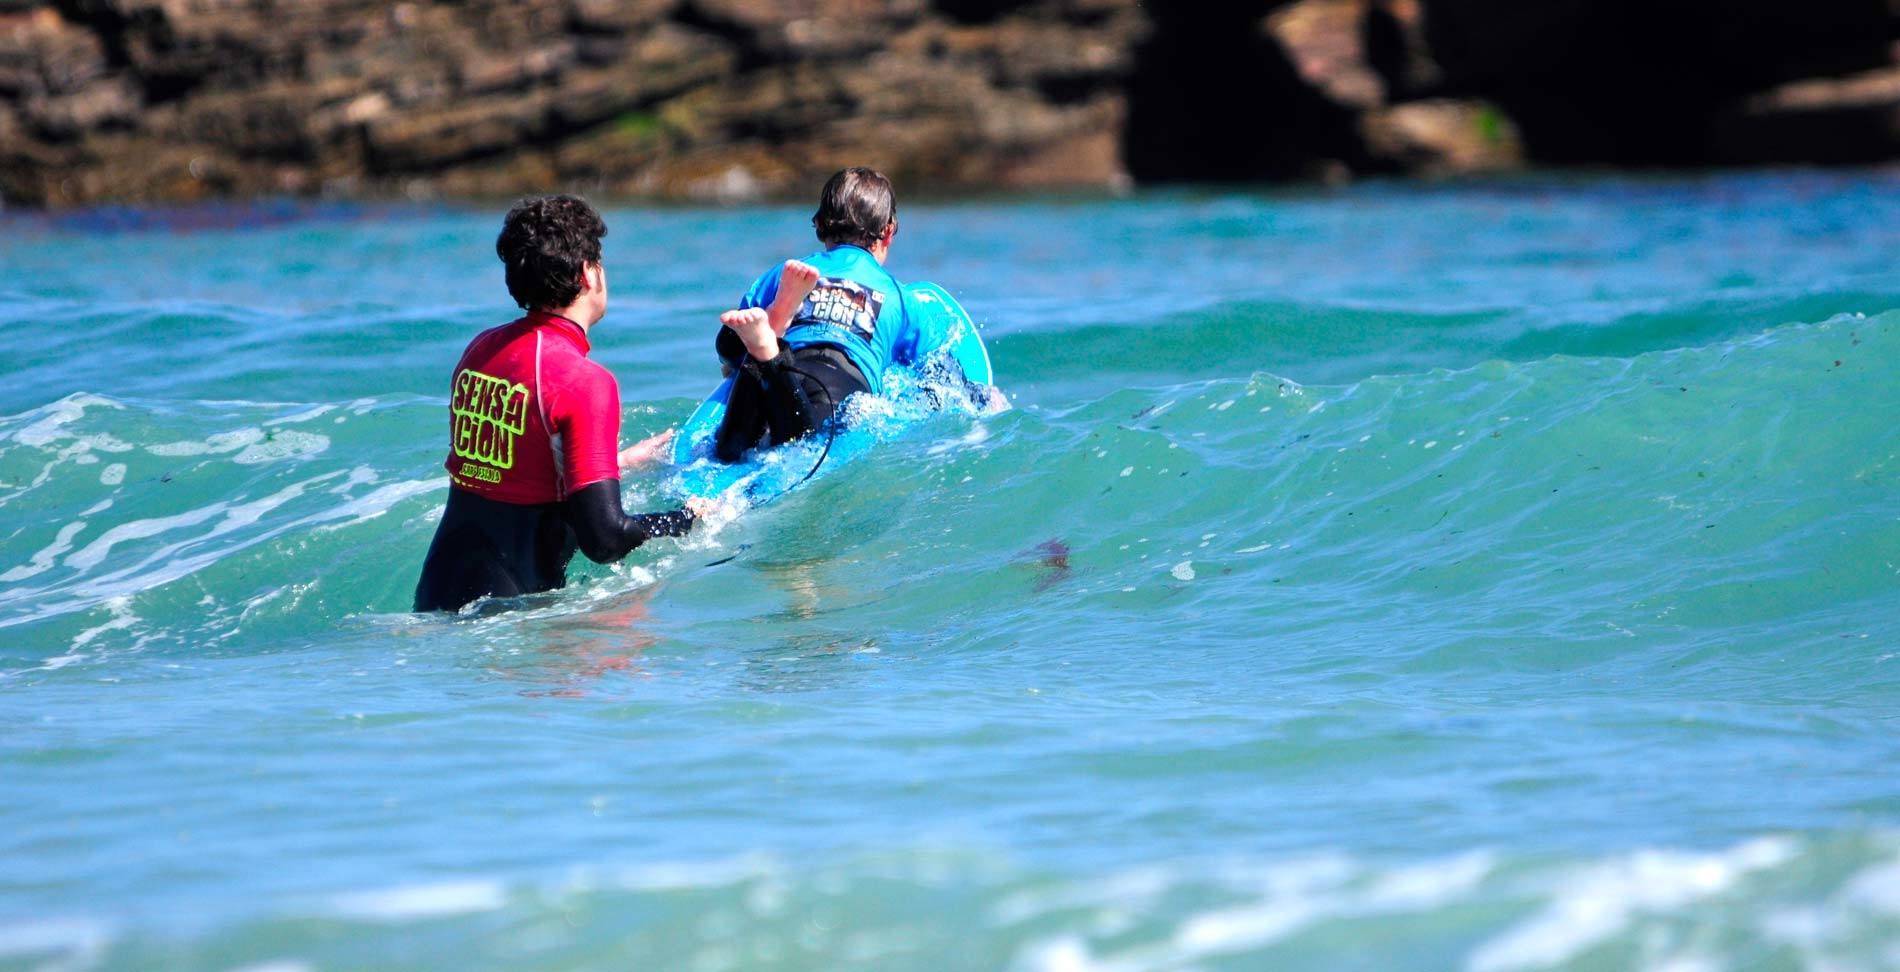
x=705, y=509
x=645, y=450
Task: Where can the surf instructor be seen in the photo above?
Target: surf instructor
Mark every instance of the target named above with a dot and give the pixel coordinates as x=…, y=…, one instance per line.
x=534, y=427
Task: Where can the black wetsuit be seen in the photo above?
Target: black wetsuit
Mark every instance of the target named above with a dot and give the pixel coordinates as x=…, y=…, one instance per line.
x=785, y=398
x=488, y=548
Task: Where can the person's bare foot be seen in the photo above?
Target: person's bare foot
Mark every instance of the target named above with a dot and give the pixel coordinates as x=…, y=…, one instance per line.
x=794, y=285
x=754, y=328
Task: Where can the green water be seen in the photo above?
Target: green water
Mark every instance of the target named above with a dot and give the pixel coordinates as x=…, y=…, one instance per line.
x=1484, y=577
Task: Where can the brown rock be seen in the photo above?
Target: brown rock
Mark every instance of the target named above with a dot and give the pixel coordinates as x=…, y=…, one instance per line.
x=41, y=54
x=1085, y=158
x=708, y=98
x=768, y=18
x=287, y=122
x=421, y=141
x=732, y=99
x=488, y=72
x=1324, y=38
x=731, y=173
x=661, y=64
x=66, y=117
x=1827, y=120
x=613, y=154
x=1442, y=136
x=123, y=167
x=618, y=16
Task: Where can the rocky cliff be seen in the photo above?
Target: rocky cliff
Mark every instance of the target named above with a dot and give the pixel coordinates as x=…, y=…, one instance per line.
x=723, y=99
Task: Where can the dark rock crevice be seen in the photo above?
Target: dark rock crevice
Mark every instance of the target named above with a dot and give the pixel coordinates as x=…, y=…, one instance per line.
x=1620, y=82
x=1214, y=97
x=731, y=31
x=977, y=11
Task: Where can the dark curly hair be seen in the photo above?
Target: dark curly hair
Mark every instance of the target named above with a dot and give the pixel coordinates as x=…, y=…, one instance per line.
x=545, y=243
x=856, y=206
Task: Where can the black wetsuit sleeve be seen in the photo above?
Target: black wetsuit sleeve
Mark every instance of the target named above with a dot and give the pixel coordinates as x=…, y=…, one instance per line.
x=606, y=532
x=729, y=348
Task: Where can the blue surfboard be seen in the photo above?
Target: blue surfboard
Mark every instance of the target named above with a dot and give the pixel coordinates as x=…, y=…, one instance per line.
x=770, y=473
x=930, y=302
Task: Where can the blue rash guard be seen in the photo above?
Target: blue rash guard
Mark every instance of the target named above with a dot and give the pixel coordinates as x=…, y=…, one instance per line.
x=856, y=307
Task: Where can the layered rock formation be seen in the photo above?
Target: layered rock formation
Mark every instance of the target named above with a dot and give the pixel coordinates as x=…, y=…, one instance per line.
x=141, y=99
x=715, y=99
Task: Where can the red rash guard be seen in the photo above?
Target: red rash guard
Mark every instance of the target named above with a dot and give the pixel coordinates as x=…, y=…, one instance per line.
x=531, y=420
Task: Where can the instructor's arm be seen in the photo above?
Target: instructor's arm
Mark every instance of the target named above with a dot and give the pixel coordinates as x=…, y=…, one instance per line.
x=588, y=415
x=606, y=532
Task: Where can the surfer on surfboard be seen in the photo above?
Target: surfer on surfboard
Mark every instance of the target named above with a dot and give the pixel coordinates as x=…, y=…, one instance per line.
x=812, y=332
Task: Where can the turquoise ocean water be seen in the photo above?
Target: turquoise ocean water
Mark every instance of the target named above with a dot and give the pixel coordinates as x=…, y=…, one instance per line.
x=1482, y=577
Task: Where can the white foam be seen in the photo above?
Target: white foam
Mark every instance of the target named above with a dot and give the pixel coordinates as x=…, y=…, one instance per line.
x=1248, y=926
x=1431, y=885
x=303, y=416
x=215, y=444
x=440, y=900
x=357, y=476
x=1876, y=888
x=294, y=591
x=173, y=561
x=51, y=427
x=1131, y=889
x=1064, y=953
x=43, y=561
x=283, y=445
x=122, y=618
x=112, y=475
x=684, y=876
x=253, y=445
x=82, y=939
x=235, y=517
x=1183, y=571
x=1690, y=963
x=1598, y=902
x=245, y=514
x=1287, y=897
x=95, y=552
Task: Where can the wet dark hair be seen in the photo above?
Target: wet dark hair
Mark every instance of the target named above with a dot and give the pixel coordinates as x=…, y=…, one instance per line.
x=856, y=206
x=545, y=243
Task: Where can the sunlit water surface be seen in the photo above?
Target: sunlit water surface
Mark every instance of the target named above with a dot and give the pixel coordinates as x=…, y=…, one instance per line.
x=1486, y=577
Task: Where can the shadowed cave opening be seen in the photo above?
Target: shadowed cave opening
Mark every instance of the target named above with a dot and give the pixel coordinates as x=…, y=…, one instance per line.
x=1213, y=98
